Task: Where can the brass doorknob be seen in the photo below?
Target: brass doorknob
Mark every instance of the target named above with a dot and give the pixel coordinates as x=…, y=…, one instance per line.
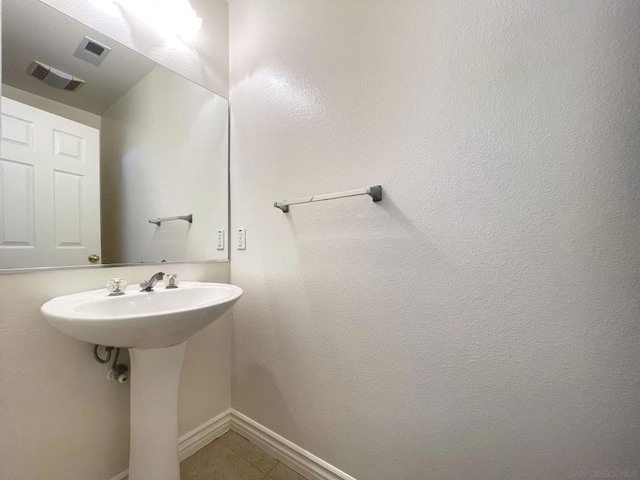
x=93, y=258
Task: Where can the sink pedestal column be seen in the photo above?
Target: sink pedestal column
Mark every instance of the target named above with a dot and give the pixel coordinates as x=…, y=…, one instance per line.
x=155, y=377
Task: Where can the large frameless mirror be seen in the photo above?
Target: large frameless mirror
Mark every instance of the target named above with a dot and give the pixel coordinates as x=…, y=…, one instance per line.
x=106, y=157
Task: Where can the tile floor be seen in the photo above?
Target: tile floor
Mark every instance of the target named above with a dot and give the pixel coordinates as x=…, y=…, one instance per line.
x=233, y=457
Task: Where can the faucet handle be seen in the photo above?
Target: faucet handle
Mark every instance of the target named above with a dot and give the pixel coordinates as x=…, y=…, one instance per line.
x=171, y=280
x=116, y=286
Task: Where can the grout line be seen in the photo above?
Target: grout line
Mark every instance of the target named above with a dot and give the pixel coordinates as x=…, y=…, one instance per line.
x=270, y=470
x=246, y=459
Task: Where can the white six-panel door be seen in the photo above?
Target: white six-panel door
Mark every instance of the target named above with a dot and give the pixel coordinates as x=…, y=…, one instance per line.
x=49, y=189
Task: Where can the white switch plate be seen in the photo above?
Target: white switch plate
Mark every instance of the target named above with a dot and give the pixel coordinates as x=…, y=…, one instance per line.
x=242, y=239
x=220, y=240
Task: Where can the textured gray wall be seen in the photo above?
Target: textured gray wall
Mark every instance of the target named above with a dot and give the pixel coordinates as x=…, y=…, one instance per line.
x=482, y=320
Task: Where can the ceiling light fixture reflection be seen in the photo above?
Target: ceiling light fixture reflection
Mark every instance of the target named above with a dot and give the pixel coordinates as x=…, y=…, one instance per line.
x=168, y=17
x=107, y=6
x=173, y=17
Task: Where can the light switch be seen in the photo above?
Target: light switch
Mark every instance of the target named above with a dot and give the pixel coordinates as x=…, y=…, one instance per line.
x=242, y=239
x=220, y=240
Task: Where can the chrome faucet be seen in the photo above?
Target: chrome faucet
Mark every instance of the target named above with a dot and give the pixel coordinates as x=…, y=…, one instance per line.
x=149, y=284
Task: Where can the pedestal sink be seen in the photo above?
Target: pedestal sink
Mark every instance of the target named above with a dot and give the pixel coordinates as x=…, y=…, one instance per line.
x=154, y=326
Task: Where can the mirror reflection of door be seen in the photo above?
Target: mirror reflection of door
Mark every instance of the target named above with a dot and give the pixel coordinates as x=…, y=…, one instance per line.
x=50, y=189
x=160, y=145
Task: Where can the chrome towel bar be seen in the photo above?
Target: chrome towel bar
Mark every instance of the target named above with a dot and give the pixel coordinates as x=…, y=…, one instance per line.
x=375, y=192
x=158, y=221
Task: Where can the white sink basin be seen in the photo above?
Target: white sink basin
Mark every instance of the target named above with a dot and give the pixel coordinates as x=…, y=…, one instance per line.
x=154, y=326
x=141, y=320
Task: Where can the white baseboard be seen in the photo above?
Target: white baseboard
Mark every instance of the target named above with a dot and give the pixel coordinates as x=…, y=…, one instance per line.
x=199, y=437
x=123, y=476
x=287, y=452
x=303, y=462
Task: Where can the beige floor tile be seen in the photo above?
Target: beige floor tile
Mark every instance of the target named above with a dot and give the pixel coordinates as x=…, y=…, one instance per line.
x=216, y=461
x=248, y=451
x=282, y=472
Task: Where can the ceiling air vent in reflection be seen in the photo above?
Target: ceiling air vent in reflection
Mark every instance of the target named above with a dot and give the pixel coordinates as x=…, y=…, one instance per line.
x=91, y=51
x=53, y=77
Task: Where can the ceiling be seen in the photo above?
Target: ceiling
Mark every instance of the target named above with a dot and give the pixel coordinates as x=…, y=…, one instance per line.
x=32, y=31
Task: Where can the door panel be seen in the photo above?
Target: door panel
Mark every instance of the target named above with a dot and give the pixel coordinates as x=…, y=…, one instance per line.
x=50, y=211
x=17, y=131
x=68, y=209
x=67, y=145
x=17, y=228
